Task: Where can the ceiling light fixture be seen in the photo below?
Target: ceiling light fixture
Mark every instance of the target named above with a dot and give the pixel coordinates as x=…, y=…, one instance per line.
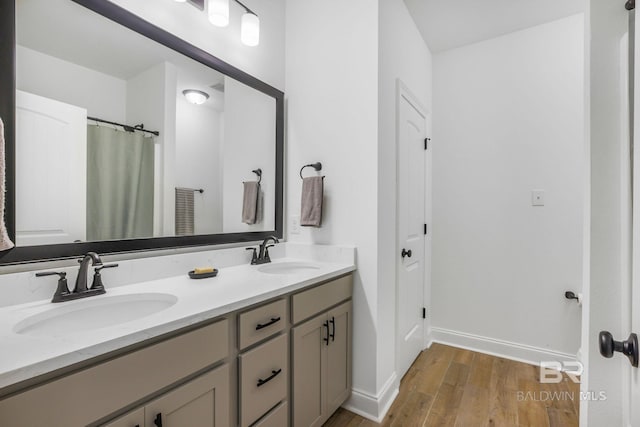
x=195, y=96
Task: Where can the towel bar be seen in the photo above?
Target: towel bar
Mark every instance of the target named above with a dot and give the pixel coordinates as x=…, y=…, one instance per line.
x=317, y=166
x=259, y=173
x=199, y=190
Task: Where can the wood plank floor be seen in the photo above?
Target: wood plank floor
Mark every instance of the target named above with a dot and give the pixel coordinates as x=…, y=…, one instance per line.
x=447, y=386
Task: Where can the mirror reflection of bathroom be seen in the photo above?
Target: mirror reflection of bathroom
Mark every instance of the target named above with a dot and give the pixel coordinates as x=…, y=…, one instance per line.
x=121, y=140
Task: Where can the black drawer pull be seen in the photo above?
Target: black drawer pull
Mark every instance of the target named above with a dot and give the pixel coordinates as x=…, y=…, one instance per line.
x=333, y=328
x=272, y=376
x=158, y=420
x=264, y=325
x=326, y=325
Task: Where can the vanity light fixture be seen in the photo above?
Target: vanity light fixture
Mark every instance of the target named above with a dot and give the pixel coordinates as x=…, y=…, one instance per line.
x=218, y=12
x=250, y=29
x=197, y=97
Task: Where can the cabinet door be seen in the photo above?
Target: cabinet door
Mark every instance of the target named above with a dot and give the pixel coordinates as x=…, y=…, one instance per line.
x=134, y=418
x=309, y=360
x=203, y=402
x=338, y=370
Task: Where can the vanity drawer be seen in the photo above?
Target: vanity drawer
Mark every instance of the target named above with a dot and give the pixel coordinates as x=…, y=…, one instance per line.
x=315, y=300
x=116, y=383
x=262, y=322
x=277, y=417
x=263, y=378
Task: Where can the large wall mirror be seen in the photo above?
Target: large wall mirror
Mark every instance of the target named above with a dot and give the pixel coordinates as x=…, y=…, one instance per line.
x=127, y=138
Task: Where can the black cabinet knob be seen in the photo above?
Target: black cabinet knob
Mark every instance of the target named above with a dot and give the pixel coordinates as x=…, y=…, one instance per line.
x=405, y=253
x=608, y=346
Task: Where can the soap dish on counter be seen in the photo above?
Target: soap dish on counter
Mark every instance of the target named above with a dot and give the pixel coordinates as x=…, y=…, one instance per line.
x=195, y=275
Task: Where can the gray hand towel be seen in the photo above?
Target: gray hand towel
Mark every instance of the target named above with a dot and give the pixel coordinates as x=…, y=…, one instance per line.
x=312, y=194
x=184, y=220
x=250, y=202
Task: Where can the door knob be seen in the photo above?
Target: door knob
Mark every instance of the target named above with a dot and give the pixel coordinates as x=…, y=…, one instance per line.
x=405, y=253
x=629, y=347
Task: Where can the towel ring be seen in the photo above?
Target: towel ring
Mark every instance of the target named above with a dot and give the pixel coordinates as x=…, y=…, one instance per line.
x=259, y=173
x=317, y=166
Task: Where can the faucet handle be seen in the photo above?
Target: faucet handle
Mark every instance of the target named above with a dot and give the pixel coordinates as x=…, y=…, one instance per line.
x=267, y=258
x=63, y=288
x=254, y=257
x=101, y=266
x=97, y=284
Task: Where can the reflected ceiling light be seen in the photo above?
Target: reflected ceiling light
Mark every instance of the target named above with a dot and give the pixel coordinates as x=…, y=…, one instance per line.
x=250, y=29
x=219, y=12
x=195, y=96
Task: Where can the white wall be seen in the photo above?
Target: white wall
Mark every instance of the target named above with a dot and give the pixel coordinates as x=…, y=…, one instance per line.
x=332, y=96
x=102, y=95
x=248, y=143
x=198, y=162
x=509, y=118
x=151, y=100
x=265, y=61
x=341, y=111
x=403, y=55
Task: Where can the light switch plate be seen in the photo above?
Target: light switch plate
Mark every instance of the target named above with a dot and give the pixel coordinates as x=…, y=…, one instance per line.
x=537, y=197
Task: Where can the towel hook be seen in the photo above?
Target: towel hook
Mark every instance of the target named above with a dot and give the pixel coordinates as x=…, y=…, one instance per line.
x=259, y=173
x=317, y=166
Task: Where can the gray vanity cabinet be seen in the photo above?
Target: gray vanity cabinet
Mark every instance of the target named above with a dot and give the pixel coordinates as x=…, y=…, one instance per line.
x=321, y=352
x=131, y=419
x=338, y=357
x=202, y=402
x=309, y=372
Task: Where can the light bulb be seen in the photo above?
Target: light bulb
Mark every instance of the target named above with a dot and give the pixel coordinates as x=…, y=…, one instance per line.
x=219, y=12
x=195, y=96
x=250, y=29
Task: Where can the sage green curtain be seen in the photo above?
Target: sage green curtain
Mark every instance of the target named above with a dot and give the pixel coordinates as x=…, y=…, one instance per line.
x=120, y=169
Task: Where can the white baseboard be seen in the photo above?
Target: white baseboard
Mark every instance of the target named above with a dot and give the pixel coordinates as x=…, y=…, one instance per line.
x=373, y=407
x=495, y=347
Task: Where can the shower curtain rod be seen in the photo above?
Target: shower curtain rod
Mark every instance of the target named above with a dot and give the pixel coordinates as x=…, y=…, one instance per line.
x=128, y=128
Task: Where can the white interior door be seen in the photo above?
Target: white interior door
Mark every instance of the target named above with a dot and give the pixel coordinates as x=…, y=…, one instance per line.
x=411, y=133
x=633, y=397
x=51, y=150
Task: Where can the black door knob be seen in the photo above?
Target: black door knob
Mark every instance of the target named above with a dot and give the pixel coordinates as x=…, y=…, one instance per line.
x=629, y=348
x=405, y=253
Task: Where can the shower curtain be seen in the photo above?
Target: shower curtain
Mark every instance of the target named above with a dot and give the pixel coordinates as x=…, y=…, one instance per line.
x=120, y=169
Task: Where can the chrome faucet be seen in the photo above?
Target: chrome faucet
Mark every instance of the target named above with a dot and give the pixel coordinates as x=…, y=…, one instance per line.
x=80, y=291
x=262, y=256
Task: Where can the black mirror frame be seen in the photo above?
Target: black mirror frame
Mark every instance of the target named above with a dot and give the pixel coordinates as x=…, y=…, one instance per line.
x=123, y=17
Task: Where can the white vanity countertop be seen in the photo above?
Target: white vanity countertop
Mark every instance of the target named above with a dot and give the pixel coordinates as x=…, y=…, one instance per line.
x=236, y=287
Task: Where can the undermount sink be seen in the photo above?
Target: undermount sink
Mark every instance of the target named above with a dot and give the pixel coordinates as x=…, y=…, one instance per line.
x=91, y=314
x=288, y=268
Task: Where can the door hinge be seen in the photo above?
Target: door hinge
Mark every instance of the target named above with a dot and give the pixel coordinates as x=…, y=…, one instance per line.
x=425, y=229
x=426, y=143
x=424, y=312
